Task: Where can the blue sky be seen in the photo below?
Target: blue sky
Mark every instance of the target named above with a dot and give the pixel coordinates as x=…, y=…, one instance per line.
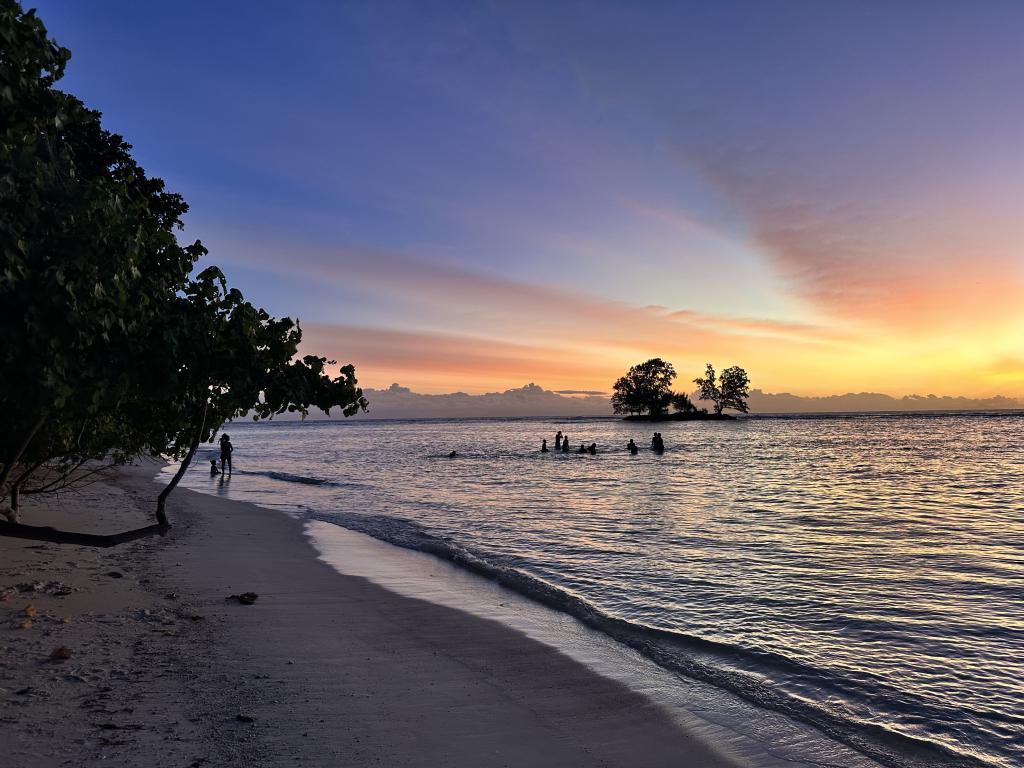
x=476, y=195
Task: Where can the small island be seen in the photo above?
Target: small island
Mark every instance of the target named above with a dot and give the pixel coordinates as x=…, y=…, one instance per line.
x=645, y=393
x=701, y=415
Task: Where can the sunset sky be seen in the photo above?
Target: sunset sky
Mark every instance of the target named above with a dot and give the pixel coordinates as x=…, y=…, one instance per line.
x=475, y=196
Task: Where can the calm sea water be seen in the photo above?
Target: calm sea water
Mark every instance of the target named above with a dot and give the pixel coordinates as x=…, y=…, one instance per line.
x=864, y=574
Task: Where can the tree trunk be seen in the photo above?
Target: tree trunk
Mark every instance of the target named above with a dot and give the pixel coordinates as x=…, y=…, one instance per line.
x=161, y=500
x=5, y=474
x=45, y=533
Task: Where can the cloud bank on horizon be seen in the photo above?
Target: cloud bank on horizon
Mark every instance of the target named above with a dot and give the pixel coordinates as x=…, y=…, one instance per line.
x=398, y=402
x=458, y=197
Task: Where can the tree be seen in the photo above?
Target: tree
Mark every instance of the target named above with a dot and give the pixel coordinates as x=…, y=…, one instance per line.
x=234, y=358
x=108, y=347
x=681, y=403
x=645, y=387
x=89, y=266
x=731, y=390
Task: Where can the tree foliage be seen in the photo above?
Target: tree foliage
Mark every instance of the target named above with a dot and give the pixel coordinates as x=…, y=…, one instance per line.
x=681, y=403
x=646, y=388
x=731, y=389
x=90, y=263
x=234, y=358
x=109, y=346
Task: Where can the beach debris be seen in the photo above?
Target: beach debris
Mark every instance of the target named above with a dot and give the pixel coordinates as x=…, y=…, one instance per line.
x=171, y=596
x=245, y=718
x=115, y=574
x=30, y=611
x=246, y=598
x=156, y=616
x=25, y=624
x=55, y=588
x=23, y=691
x=61, y=653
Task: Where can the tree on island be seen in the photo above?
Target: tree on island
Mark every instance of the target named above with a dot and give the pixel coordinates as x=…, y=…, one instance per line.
x=730, y=391
x=681, y=403
x=110, y=350
x=646, y=387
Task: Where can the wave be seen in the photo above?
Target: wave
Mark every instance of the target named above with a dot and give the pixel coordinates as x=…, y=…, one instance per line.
x=287, y=477
x=688, y=655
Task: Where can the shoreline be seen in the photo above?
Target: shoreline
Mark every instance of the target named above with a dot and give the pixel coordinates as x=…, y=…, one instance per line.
x=323, y=667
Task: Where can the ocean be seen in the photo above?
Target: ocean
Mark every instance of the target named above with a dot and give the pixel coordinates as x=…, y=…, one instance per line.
x=862, y=574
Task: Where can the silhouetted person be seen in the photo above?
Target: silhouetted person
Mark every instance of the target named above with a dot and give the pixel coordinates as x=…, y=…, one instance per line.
x=452, y=455
x=592, y=450
x=632, y=447
x=213, y=468
x=544, y=445
x=657, y=444
x=558, y=440
x=565, y=444
x=583, y=448
x=226, y=449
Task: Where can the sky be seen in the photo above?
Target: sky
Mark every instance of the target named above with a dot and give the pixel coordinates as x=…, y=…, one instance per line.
x=473, y=196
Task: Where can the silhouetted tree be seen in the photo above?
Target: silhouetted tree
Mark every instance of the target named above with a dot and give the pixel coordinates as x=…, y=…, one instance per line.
x=234, y=358
x=108, y=349
x=730, y=391
x=646, y=387
x=681, y=403
x=89, y=267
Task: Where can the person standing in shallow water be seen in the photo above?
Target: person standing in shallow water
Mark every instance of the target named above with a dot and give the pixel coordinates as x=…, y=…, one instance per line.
x=558, y=440
x=226, y=449
x=565, y=444
x=632, y=447
x=544, y=445
x=657, y=444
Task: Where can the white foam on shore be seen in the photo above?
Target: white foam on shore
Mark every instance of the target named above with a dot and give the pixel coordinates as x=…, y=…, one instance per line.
x=757, y=737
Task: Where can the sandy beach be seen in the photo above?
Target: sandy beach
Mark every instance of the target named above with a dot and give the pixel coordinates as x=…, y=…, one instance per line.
x=324, y=669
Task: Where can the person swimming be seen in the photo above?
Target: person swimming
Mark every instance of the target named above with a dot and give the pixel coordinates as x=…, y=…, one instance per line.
x=632, y=447
x=583, y=448
x=592, y=450
x=657, y=443
x=544, y=446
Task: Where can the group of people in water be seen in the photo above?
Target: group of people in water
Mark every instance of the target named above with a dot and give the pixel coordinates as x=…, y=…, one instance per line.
x=562, y=444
